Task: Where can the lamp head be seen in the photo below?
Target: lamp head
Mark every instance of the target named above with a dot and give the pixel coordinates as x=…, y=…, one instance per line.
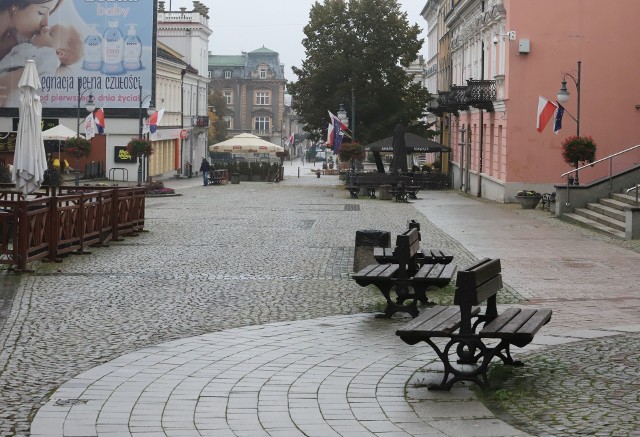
x=495, y=40
x=151, y=109
x=91, y=106
x=563, y=94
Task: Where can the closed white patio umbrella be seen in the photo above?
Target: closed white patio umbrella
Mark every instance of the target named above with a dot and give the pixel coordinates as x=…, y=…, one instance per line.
x=30, y=159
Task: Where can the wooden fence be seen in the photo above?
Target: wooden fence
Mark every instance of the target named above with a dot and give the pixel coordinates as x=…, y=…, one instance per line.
x=59, y=220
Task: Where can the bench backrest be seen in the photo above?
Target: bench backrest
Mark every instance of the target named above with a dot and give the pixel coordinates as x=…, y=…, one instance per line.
x=407, y=246
x=365, y=179
x=415, y=225
x=477, y=284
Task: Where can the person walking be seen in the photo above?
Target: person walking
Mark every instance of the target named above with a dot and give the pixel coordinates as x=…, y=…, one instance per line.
x=204, y=169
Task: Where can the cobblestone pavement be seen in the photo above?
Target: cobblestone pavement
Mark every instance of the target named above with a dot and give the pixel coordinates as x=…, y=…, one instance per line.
x=227, y=257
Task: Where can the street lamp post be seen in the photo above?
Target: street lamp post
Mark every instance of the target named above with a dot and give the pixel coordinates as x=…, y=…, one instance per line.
x=90, y=107
x=344, y=119
x=563, y=97
x=150, y=111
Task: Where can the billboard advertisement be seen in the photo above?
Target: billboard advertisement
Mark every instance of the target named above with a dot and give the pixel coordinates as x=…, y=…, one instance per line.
x=99, y=47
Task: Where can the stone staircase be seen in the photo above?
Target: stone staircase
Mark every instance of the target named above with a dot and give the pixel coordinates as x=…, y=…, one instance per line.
x=606, y=216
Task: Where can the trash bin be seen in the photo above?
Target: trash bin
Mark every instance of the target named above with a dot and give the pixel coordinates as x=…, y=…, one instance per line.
x=366, y=240
x=235, y=178
x=318, y=174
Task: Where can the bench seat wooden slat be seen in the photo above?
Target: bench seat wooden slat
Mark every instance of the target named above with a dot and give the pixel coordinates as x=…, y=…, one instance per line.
x=437, y=321
x=512, y=322
x=379, y=271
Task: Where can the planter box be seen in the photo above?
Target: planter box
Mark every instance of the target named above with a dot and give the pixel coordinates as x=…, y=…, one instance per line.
x=528, y=202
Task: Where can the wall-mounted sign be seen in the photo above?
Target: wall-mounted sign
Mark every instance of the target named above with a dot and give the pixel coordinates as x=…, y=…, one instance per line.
x=122, y=156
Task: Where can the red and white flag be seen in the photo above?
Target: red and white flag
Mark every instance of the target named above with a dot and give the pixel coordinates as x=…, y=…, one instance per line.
x=546, y=111
x=336, y=119
x=330, y=134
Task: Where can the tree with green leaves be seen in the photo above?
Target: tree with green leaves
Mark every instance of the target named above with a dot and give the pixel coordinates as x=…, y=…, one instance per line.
x=362, y=46
x=217, y=106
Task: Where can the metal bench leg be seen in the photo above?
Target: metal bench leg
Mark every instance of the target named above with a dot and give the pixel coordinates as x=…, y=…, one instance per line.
x=399, y=306
x=506, y=356
x=465, y=350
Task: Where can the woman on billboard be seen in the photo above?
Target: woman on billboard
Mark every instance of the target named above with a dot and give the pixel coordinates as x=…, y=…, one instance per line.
x=20, y=21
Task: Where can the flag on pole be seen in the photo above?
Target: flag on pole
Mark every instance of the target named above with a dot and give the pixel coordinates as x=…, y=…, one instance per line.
x=557, y=123
x=154, y=121
x=89, y=127
x=292, y=140
x=98, y=119
x=338, y=135
x=330, y=135
x=334, y=119
x=546, y=109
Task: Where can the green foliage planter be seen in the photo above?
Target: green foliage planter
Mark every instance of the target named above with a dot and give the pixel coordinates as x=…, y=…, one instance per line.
x=576, y=149
x=138, y=147
x=528, y=199
x=77, y=147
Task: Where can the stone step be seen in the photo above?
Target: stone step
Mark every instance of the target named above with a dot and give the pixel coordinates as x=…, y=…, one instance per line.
x=601, y=218
x=591, y=224
x=629, y=199
x=613, y=203
x=610, y=208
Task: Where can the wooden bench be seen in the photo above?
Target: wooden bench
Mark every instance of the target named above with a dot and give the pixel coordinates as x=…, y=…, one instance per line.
x=366, y=181
x=461, y=324
x=409, y=280
x=402, y=192
x=385, y=255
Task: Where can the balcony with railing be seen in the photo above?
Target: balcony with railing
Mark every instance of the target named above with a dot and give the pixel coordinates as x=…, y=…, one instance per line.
x=481, y=94
x=200, y=121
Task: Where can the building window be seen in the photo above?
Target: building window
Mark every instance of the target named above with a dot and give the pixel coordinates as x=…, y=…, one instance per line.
x=227, y=74
x=263, y=73
x=228, y=96
x=209, y=74
x=263, y=98
x=262, y=124
x=227, y=121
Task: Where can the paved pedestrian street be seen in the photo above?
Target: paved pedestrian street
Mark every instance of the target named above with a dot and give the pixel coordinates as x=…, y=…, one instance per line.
x=234, y=315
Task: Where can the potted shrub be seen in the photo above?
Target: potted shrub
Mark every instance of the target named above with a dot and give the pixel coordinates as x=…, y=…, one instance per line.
x=138, y=147
x=528, y=199
x=351, y=151
x=77, y=147
x=576, y=149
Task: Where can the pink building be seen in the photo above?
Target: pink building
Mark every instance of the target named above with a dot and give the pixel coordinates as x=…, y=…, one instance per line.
x=524, y=49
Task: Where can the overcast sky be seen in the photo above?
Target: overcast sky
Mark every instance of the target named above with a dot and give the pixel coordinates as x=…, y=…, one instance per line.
x=246, y=25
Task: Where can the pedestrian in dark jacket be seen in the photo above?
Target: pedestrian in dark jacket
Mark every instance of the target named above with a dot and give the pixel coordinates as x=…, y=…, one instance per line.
x=204, y=169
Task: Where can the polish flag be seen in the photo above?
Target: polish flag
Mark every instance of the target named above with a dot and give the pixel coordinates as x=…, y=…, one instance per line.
x=154, y=121
x=330, y=134
x=546, y=111
x=98, y=119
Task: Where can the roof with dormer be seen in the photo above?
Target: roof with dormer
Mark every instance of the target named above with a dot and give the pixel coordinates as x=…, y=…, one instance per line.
x=250, y=61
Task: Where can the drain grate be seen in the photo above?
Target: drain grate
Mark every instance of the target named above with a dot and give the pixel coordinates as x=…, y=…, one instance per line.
x=306, y=224
x=67, y=402
x=352, y=207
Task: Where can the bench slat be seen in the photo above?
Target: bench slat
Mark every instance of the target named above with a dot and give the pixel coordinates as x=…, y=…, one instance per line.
x=378, y=271
x=537, y=321
x=437, y=321
x=499, y=322
x=515, y=321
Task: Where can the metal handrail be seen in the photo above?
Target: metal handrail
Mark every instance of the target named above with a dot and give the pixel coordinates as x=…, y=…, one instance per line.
x=610, y=158
x=634, y=188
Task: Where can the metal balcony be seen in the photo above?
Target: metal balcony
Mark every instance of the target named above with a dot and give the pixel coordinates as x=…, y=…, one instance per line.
x=200, y=121
x=481, y=94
